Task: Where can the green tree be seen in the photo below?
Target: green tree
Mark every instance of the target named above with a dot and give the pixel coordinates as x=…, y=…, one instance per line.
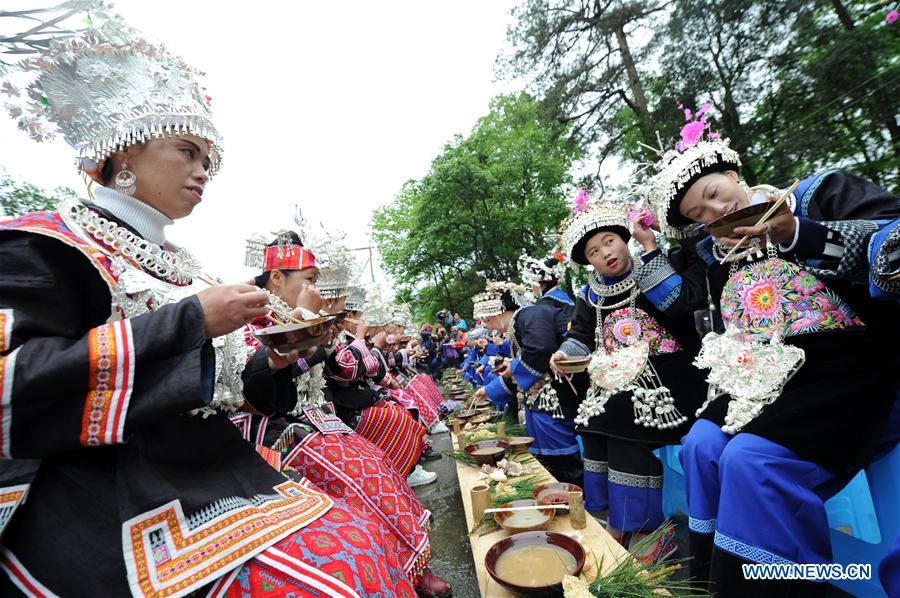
x=17, y=198
x=835, y=101
x=583, y=58
x=487, y=197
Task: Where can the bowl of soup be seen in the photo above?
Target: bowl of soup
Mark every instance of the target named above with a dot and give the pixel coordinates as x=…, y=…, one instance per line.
x=531, y=520
x=534, y=562
x=554, y=493
x=487, y=452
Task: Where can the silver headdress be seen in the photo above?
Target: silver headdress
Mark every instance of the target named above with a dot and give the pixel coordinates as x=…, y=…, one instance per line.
x=401, y=315
x=338, y=269
x=679, y=167
x=256, y=245
x=534, y=271
x=356, y=301
x=490, y=302
x=677, y=171
x=379, y=306
x=587, y=217
x=102, y=86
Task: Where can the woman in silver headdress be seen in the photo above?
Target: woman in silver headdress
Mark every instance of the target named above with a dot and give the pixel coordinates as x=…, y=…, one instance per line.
x=117, y=372
x=289, y=418
x=644, y=387
x=796, y=405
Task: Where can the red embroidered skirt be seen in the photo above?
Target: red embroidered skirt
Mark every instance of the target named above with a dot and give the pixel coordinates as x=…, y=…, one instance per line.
x=341, y=555
x=391, y=428
x=350, y=468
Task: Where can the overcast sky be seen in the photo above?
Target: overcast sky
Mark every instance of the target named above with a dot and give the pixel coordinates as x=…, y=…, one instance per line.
x=331, y=104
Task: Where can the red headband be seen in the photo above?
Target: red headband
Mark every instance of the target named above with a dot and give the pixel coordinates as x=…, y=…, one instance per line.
x=288, y=257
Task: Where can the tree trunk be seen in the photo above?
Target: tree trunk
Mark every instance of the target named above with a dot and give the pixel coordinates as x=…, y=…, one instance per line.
x=634, y=83
x=843, y=15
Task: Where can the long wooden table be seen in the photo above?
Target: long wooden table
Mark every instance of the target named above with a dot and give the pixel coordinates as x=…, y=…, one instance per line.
x=598, y=544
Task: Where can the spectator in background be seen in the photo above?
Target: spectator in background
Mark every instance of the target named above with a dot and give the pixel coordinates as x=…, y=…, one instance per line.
x=460, y=323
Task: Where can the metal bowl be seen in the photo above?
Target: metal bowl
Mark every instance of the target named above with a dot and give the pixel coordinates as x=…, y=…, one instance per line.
x=294, y=337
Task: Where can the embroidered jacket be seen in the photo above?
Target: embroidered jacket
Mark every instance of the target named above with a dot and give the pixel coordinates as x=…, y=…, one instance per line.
x=125, y=490
x=539, y=329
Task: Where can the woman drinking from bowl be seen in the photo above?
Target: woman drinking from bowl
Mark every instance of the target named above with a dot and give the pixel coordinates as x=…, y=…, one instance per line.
x=114, y=395
x=797, y=404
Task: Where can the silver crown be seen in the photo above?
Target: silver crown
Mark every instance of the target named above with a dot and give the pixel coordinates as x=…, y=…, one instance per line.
x=356, y=301
x=490, y=302
x=103, y=86
x=595, y=215
x=379, y=308
x=676, y=170
x=338, y=269
x=401, y=315
x=534, y=271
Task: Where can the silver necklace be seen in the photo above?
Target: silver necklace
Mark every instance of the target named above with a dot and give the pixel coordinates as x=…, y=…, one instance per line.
x=178, y=267
x=511, y=334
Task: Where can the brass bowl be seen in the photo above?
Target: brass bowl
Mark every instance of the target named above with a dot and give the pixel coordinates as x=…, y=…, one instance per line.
x=294, y=337
x=520, y=444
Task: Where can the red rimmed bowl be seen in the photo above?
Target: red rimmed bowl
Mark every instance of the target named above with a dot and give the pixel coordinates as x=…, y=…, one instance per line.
x=487, y=452
x=512, y=560
x=554, y=493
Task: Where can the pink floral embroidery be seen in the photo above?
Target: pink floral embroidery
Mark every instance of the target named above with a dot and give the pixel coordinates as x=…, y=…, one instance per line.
x=756, y=302
x=623, y=325
x=806, y=284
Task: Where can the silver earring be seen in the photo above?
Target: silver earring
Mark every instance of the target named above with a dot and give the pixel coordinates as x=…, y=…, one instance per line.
x=125, y=181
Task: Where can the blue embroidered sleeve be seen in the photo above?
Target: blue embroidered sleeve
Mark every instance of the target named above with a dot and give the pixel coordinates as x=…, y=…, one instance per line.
x=834, y=249
x=837, y=214
x=658, y=281
x=498, y=392
x=884, y=257
x=524, y=375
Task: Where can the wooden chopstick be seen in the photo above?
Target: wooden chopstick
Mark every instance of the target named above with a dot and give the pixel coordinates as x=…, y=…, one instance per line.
x=528, y=508
x=764, y=217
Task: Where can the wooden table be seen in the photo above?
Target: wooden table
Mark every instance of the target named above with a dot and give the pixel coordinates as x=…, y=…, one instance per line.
x=596, y=541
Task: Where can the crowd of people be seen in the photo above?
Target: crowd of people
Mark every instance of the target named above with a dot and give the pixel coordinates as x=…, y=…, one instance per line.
x=771, y=361
x=154, y=445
